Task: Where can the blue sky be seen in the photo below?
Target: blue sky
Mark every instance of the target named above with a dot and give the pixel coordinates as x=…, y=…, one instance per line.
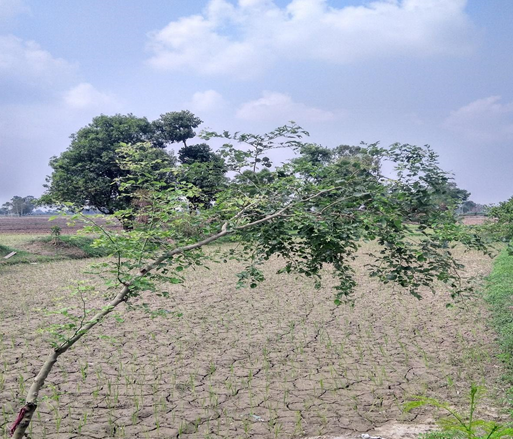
x=435, y=72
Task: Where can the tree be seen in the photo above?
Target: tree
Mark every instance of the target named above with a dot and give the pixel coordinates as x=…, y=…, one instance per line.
x=87, y=173
x=308, y=222
x=19, y=205
x=501, y=224
x=450, y=196
x=468, y=206
x=205, y=170
x=177, y=126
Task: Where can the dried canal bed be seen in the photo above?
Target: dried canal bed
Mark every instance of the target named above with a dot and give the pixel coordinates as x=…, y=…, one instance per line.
x=277, y=361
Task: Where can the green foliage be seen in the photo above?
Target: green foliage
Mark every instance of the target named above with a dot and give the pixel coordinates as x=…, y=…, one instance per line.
x=500, y=227
x=313, y=211
x=440, y=435
x=460, y=425
x=200, y=153
x=84, y=243
x=87, y=173
x=451, y=196
x=73, y=318
x=176, y=126
x=499, y=295
x=205, y=170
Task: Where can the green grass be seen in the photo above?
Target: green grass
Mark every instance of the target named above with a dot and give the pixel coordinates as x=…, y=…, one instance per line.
x=22, y=257
x=499, y=295
x=439, y=435
x=65, y=242
x=84, y=243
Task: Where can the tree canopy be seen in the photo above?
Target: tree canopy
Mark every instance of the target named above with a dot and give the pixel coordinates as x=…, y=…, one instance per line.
x=87, y=173
x=176, y=126
x=314, y=212
x=501, y=224
x=204, y=169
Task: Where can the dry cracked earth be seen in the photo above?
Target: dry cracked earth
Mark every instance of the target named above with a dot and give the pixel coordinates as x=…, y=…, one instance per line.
x=278, y=361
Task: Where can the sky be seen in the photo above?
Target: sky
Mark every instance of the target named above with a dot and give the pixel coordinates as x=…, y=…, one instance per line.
x=436, y=72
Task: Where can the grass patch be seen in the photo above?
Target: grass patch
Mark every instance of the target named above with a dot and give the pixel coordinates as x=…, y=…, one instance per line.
x=440, y=435
x=22, y=257
x=48, y=248
x=83, y=243
x=499, y=295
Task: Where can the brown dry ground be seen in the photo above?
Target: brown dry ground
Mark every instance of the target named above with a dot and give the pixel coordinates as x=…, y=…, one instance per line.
x=278, y=361
x=36, y=224
x=474, y=220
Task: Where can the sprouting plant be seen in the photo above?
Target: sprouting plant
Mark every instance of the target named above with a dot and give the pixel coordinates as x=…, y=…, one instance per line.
x=55, y=233
x=298, y=428
x=464, y=426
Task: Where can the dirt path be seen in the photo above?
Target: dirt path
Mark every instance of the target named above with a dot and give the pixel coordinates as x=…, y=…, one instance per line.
x=278, y=361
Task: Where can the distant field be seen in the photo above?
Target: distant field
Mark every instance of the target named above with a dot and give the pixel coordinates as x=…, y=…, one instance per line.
x=36, y=225
x=474, y=220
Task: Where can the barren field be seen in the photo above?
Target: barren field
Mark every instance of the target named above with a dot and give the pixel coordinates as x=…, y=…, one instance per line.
x=36, y=225
x=474, y=220
x=279, y=361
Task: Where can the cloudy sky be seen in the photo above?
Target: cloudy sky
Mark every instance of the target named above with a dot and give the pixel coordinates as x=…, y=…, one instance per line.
x=436, y=72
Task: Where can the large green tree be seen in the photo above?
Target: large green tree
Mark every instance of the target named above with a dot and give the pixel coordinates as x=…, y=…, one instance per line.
x=88, y=172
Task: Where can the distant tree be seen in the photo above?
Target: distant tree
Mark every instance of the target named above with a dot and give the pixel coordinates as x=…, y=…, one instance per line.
x=501, y=224
x=174, y=127
x=88, y=172
x=200, y=153
x=450, y=196
x=204, y=169
x=343, y=157
x=467, y=206
x=19, y=205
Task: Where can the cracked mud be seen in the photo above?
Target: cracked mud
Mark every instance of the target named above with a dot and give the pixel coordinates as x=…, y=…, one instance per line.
x=277, y=361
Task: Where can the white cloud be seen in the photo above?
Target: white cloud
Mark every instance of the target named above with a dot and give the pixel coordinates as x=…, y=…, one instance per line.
x=484, y=120
x=85, y=97
x=280, y=108
x=26, y=62
x=245, y=38
x=11, y=8
x=209, y=100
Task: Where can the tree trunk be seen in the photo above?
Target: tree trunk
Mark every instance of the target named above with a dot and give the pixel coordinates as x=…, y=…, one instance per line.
x=27, y=411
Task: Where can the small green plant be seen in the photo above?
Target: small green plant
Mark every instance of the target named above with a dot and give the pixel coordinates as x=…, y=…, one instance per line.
x=55, y=233
x=458, y=425
x=438, y=435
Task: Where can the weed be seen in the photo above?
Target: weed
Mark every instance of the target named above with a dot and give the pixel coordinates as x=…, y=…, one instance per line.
x=459, y=425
